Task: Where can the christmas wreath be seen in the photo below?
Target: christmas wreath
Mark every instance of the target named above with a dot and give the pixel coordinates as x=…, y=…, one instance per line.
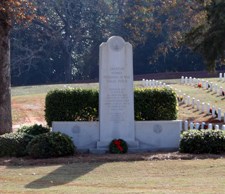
x=118, y=146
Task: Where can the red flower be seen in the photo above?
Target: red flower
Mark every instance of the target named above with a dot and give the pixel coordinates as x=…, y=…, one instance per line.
x=210, y=110
x=199, y=85
x=205, y=126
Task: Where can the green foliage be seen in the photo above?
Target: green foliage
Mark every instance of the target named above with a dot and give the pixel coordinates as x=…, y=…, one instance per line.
x=155, y=104
x=118, y=146
x=52, y=144
x=70, y=105
x=34, y=130
x=208, y=38
x=14, y=144
x=203, y=141
x=82, y=105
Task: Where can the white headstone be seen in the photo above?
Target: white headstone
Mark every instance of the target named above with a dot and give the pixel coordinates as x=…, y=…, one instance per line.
x=160, y=84
x=153, y=83
x=146, y=83
x=116, y=98
x=196, y=125
x=198, y=104
x=190, y=81
x=182, y=80
x=221, y=91
x=203, y=107
x=217, y=127
x=223, y=127
x=191, y=125
x=221, y=76
x=188, y=100
x=215, y=88
x=206, y=85
x=208, y=108
x=219, y=114
x=203, y=125
x=185, y=125
x=193, y=102
x=210, y=126
x=211, y=86
x=186, y=80
x=194, y=80
x=143, y=82
x=213, y=111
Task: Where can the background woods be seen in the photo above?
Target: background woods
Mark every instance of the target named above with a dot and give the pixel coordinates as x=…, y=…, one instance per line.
x=65, y=47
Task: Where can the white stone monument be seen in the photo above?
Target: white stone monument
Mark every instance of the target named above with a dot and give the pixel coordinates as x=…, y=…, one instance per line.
x=116, y=98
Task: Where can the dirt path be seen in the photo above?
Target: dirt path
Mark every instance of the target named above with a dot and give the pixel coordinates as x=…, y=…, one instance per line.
x=28, y=110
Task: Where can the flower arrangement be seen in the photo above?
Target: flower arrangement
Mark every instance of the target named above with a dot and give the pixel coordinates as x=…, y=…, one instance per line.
x=199, y=85
x=210, y=110
x=215, y=112
x=118, y=146
x=205, y=126
x=180, y=98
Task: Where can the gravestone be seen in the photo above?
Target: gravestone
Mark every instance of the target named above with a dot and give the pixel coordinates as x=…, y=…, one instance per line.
x=116, y=98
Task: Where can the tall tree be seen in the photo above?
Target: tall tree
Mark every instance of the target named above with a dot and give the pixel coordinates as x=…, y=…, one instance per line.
x=10, y=11
x=208, y=38
x=63, y=48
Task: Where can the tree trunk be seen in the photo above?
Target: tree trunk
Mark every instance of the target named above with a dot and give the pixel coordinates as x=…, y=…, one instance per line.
x=5, y=79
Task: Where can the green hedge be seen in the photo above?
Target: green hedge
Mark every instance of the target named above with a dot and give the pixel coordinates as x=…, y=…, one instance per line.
x=155, y=104
x=70, y=105
x=203, y=141
x=14, y=144
x=82, y=105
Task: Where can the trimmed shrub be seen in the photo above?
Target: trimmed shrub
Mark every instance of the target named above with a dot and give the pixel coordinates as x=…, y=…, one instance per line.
x=203, y=141
x=14, y=144
x=52, y=144
x=155, y=104
x=34, y=130
x=82, y=105
x=71, y=105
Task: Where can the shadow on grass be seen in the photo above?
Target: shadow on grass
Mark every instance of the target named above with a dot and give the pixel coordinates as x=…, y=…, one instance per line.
x=63, y=175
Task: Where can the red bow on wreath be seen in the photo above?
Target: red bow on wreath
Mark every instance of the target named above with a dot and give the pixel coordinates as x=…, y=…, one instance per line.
x=118, y=145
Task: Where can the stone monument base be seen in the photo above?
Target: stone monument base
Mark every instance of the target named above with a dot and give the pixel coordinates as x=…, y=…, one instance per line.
x=149, y=136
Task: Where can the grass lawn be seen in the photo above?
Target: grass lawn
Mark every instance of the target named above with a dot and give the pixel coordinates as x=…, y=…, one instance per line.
x=166, y=176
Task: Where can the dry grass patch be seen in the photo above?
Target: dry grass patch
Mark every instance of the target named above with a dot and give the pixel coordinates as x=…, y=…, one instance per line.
x=151, y=176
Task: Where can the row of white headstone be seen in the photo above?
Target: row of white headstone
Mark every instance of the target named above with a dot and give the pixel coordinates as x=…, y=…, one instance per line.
x=152, y=83
x=203, y=84
x=222, y=76
x=201, y=106
x=191, y=125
